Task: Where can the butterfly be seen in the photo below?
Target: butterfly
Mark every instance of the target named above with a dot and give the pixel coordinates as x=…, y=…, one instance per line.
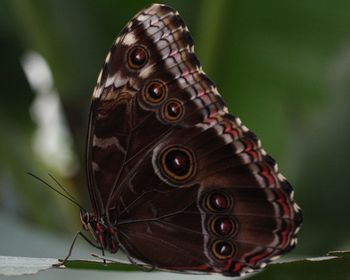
x=176, y=182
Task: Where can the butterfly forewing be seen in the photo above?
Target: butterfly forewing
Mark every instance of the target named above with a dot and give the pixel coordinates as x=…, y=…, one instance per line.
x=183, y=184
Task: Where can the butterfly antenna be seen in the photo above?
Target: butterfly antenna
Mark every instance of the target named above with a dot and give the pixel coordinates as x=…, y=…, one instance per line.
x=66, y=194
x=62, y=188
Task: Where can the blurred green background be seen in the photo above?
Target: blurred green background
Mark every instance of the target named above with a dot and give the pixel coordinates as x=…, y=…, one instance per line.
x=282, y=66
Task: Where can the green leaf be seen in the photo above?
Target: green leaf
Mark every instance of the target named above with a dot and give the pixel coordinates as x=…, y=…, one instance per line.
x=99, y=265
x=333, y=266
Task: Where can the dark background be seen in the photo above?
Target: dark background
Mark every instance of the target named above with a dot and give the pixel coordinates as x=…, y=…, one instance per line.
x=282, y=66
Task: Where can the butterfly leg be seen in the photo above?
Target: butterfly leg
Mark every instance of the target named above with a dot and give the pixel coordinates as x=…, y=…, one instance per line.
x=103, y=255
x=143, y=267
x=79, y=233
x=93, y=244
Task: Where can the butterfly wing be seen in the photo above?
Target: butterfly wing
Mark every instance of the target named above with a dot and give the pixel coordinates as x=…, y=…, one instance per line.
x=186, y=184
x=117, y=126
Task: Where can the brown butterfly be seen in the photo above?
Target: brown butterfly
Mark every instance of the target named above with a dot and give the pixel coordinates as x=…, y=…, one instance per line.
x=175, y=181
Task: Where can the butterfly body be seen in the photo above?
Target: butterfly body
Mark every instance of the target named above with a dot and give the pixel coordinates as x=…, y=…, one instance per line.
x=176, y=181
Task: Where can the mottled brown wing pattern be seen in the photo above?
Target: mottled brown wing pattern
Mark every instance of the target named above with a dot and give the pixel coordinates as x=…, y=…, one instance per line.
x=184, y=184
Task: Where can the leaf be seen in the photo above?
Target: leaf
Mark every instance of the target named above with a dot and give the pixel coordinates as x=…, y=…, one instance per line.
x=336, y=265
x=112, y=264
x=11, y=266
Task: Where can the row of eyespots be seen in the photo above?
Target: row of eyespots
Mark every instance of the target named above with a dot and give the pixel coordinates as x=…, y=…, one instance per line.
x=155, y=92
x=177, y=164
x=221, y=226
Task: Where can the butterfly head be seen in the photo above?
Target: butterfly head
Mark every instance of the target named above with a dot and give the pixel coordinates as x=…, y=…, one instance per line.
x=89, y=223
x=85, y=219
x=102, y=232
